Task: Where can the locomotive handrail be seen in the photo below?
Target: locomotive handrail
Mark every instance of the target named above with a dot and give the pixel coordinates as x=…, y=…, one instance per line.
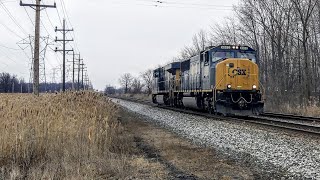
x=215, y=88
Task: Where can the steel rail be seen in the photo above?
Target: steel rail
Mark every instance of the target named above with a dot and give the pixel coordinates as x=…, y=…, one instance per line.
x=307, y=128
x=291, y=116
x=258, y=120
x=298, y=127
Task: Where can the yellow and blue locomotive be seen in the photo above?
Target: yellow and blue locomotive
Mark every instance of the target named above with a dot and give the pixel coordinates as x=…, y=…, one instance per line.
x=222, y=79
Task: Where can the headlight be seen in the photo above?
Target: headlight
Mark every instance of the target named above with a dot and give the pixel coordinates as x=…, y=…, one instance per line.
x=254, y=87
x=229, y=86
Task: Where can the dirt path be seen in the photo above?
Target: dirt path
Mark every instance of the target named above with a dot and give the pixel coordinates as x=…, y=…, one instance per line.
x=178, y=158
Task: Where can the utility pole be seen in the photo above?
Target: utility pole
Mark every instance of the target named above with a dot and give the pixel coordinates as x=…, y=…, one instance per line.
x=73, y=58
x=64, y=41
x=13, y=86
x=73, y=69
x=79, y=64
x=82, y=68
x=54, y=75
x=87, y=81
x=36, y=72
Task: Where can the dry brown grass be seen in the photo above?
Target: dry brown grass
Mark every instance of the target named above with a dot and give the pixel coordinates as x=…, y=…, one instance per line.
x=292, y=104
x=144, y=97
x=310, y=110
x=63, y=136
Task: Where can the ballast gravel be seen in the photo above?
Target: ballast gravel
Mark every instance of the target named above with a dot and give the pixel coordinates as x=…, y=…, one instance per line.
x=297, y=157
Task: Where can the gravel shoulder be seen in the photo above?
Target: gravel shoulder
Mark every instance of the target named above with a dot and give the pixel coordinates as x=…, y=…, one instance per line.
x=269, y=154
x=178, y=157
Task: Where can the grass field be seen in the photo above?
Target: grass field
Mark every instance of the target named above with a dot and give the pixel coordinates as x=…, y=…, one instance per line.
x=60, y=136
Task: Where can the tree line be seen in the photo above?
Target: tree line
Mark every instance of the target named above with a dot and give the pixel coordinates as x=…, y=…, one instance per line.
x=133, y=85
x=10, y=83
x=286, y=35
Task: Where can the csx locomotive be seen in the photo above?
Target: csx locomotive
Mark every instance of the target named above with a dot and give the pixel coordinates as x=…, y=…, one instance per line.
x=222, y=80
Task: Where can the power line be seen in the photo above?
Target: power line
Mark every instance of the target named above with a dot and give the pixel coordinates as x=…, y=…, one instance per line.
x=10, y=30
x=66, y=15
x=186, y=4
x=9, y=48
x=163, y=4
x=58, y=59
x=8, y=1
x=29, y=16
x=45, y=28
x=65, y=11
x=59, y=16
x=49, y=18
x=5, y=54
x=12, y=18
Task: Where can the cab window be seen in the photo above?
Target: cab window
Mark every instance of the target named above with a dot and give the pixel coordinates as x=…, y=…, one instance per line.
x=216, y=56
x=247, y=55
x=155, y=74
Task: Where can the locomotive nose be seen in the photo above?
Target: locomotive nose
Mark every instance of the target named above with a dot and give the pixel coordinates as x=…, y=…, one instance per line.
x=240, y=74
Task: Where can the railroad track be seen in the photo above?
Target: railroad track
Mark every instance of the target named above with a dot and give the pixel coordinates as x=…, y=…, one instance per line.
x=291, y=116
x=259, y=120
x=282, y=121
x=284, y=124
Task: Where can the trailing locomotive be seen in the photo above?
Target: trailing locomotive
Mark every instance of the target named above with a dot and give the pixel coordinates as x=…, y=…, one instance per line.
x=222, y=80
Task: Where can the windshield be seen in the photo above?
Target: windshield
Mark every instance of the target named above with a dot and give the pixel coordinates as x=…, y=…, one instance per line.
x=250, y=56
x=216, y=56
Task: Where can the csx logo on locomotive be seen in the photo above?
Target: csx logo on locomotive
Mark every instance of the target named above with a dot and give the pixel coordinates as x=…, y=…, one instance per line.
x=237, y=72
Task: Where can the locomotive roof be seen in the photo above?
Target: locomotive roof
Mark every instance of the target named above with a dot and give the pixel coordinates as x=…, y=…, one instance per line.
x=172, y=66
x=229, y=47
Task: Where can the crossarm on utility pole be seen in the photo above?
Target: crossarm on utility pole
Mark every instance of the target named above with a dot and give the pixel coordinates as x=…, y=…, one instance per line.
x=64, y=51
x=36, y=64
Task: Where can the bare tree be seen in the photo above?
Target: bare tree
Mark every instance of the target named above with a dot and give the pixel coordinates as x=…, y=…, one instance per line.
x=286, y=35
x=199, y=43
x=305, y=10
x=226, y=33
x=126, y=81
x=187, y=52
x=136, y=86
x=109, y=90
x=6, y=82
x=147, y=78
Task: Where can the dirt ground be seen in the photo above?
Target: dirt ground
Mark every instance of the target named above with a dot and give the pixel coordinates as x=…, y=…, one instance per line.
x=167, y=156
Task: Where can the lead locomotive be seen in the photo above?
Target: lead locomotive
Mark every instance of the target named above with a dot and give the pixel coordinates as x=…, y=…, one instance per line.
x=222, y=80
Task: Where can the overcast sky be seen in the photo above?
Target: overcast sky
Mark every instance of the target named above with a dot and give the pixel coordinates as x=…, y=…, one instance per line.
x=113, y=36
